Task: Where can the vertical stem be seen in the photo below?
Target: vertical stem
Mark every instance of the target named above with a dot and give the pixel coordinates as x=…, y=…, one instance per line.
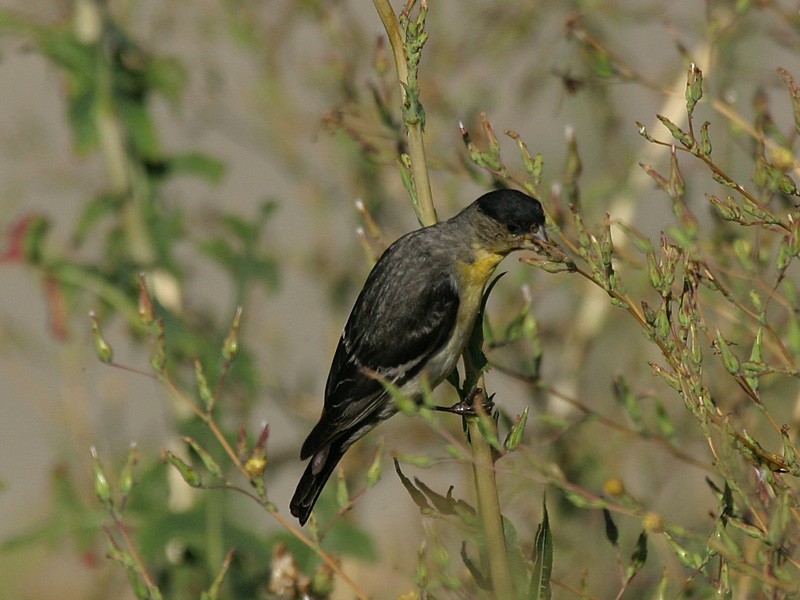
x=489, y=504
x=214, y=532
x=483, y=465
x=419, y=170
x=416, y=144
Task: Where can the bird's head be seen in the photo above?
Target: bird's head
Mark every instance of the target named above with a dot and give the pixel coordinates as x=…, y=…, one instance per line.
x=508, y=220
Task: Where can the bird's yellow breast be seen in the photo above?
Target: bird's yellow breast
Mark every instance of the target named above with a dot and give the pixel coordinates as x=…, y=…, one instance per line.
x=477, y=271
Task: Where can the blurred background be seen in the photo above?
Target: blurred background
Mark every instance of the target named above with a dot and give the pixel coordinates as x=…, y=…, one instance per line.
x=219, y=148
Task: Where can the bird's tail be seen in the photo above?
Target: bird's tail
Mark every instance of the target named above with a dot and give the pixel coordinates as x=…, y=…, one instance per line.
x=311, y=483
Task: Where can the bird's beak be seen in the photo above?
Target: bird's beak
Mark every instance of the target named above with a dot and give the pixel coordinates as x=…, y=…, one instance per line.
x=536, y=237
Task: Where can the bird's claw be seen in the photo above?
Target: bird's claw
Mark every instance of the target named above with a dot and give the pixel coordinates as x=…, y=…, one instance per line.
x=467, y=407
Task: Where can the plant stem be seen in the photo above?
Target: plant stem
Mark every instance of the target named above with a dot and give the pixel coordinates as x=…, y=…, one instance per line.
x=483, y=464
x=416, y=144
x=208, y=418
x=489, y=504
x=419, y=170
x=594, y=309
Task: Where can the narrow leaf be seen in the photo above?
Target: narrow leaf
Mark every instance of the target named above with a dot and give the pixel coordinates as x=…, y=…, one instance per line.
x=342, y=494
x=214, y=591
x=517, y=430
x=542, y=559
x=639, y=556
x=612, y=533
x=230, y=347
x=375, y=469
x=101, y=486
x=187, y=473
x=417, y=496
x=208, y=460
x=101, y=346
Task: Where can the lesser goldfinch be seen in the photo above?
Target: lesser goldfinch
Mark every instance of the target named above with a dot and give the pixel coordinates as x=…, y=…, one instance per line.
x=411, y=322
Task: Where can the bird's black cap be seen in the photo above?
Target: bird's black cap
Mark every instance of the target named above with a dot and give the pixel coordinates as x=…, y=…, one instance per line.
x=518, y=212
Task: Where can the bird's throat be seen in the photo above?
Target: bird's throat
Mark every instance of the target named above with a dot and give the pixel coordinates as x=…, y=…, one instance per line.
x=477, y=271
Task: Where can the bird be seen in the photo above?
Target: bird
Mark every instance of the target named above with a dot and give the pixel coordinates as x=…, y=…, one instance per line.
x=411, y=322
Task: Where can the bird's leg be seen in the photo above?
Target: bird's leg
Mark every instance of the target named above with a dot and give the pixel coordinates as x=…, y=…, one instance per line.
x=466, y=407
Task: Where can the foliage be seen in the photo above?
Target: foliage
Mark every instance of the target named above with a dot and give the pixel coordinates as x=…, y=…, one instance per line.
x=654, y=355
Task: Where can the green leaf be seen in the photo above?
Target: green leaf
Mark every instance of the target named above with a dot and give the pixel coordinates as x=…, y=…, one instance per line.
x=187, y=473
x=727, y=501
x=665, y=425
x=199, y=164
x=34, y=231
x=533, y=166
x=140, y=126
x=694, y=88
x=158, y=357
x=583, y=501
x=422, y=461
x=724, y=180
x=628, y=401
x=542, y=559
x=481, y=580
x=202, y=386
x=446, y=505
x=230, y=346
x=677, y=185
x=690, y=560
x=144, y=305
x=789, y=454
x=127, y=478
x=210, y=464
x=101, y=347
x=723, y=540
x=375, y=469
x=705, y=139
x=683, y=137
x=751, y=530
x=168, y=76
x=517, y=430
x=216, y=586
x=102, y=488
x=101, y=206
x=417, y=496
x=600, y=61
x=643, y=132
x=779, y=521
x=239, y=256
x=728, y=357
x=135, y=575
x=727, y=209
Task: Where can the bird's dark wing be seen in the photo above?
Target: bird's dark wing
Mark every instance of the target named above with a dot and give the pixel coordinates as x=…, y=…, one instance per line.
x=405, y=314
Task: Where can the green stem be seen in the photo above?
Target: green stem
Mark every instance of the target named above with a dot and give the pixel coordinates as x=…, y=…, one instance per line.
x=416, y=145
x=419, y=170
x=215, y=531
x=122, y=180
x=85, y=279
x=485, y=480
x=489, y=510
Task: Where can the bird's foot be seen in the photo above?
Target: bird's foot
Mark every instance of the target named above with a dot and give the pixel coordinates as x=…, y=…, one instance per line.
x=467, y=407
